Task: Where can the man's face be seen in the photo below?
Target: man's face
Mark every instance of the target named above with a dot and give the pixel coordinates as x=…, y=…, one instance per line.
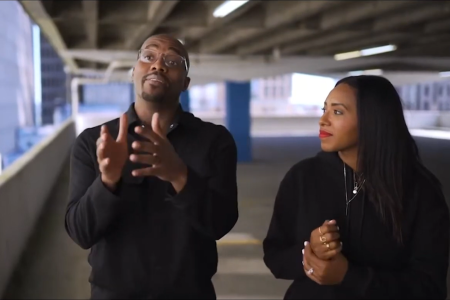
x=160, y=73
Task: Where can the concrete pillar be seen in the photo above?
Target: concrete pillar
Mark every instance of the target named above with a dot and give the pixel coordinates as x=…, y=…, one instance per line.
x=185, y=101
x=237, y=119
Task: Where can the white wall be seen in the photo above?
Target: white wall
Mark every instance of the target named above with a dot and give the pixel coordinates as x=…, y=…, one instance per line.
x=25, y=187
x=422, y=119
x=292, y=126
x=113, y=94
x=444, y=120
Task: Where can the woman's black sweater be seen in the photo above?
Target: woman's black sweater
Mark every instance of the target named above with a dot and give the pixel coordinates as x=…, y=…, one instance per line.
x=313, y=191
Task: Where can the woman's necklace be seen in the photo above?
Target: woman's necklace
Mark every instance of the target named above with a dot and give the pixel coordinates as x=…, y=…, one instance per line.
x=356, y=189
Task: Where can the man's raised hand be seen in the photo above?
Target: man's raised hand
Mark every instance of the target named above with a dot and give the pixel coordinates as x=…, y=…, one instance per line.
x=160, y=156
x=112, y=154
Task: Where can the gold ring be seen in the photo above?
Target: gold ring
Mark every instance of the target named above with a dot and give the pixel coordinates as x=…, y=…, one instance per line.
x=328, y=245
x=323, y=239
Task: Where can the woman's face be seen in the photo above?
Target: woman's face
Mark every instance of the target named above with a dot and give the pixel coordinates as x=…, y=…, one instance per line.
x=339, y=122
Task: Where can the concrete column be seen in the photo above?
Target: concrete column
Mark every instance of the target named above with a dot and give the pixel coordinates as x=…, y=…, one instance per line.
x=237, y=119
x=185, y=101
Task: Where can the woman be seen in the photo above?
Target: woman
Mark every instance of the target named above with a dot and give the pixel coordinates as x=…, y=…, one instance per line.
x=388, y=234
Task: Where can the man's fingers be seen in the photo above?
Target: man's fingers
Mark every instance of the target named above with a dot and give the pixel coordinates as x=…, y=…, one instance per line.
x=100, y=149
x=123, y=129
x=104, y=138
x=103, y=164
x=150, y=171
x=102, y=142
x=156, y=125
x=99, y=140
x=148, y=134
x=104, y=131
x=146, y=147
x=147, y=159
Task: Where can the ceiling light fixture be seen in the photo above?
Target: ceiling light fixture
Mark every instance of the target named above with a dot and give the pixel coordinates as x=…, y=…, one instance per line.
x=365, y=52
x=444, y=74
x=227, y=7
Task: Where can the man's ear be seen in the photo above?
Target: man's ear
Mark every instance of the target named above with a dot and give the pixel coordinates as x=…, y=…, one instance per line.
x=187, y=81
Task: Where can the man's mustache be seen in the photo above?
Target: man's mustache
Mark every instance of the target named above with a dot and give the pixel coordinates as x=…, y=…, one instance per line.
x=156, y=76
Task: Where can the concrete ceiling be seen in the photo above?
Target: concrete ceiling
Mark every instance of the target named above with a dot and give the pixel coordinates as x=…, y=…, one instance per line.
x=261, y=38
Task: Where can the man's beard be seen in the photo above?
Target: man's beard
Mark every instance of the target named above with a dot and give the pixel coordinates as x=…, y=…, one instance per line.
x=152, y=98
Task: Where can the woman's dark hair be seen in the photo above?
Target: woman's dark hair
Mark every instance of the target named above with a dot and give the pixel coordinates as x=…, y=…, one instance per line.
x=388, y=156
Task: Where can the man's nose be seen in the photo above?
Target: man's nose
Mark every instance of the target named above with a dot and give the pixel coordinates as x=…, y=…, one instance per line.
x=159, y=65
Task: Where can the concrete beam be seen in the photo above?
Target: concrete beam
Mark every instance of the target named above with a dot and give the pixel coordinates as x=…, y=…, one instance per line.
x=440, y=25
x=369, y=41
x=107, y=56
x=157, y=12
x=204, y=67
x=336, y=37
x=209, y=39
x=196, y=15
x=90, y=11
x=330, y=19
x=274, y=40
x=360, y=11
x=286, y=12
x=437, y=44
x=228, y=36
x=192, y=24
x=413, y=16
x=153, y=7
x=278, y=14
x=37, y=12
x=101, y=56
x=391, y=22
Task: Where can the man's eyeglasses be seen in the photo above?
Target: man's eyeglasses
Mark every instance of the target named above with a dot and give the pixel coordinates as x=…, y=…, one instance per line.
x=170, y=60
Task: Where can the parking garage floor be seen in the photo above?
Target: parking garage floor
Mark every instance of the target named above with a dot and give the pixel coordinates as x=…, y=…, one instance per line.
x=53, y=267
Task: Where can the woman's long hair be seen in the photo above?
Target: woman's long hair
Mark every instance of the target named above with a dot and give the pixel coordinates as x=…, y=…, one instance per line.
x=388, y=156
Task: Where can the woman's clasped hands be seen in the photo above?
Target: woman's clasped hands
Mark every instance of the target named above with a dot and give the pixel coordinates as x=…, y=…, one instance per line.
x=323, y=261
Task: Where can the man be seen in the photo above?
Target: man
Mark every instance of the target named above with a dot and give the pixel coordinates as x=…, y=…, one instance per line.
x=151, y=192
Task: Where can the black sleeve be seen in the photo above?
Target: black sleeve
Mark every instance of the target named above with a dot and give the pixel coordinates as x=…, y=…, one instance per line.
x=92, y=206
x=425, y=276
x=282, y=255
x=211, y=203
